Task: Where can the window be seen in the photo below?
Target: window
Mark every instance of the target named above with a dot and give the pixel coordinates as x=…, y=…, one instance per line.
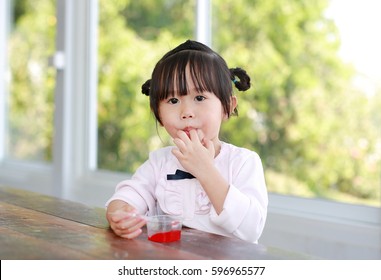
x=81, y=115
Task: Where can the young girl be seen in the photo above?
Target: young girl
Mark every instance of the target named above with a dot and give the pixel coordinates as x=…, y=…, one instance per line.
x=216, y=187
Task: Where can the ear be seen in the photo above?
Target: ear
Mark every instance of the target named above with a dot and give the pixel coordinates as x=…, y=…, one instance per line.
x=233, y=105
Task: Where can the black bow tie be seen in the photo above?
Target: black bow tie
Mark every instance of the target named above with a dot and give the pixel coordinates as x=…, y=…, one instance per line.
x=179, y=175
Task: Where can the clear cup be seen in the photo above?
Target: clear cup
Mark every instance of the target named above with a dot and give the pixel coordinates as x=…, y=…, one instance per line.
x=164, y=228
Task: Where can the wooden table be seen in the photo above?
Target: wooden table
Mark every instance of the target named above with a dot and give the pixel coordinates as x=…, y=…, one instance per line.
x=35, y=226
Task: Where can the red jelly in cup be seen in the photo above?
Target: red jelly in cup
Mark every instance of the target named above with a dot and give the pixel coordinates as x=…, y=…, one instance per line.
x=164, y=228
x=169, y=236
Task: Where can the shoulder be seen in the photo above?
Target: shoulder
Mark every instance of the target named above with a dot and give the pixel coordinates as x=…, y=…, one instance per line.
x=238, y=153
x=242, y=163
x=238, y=158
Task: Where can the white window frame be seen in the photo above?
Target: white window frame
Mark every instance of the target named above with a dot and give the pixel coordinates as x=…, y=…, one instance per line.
x=73, y=174
x=4, y=19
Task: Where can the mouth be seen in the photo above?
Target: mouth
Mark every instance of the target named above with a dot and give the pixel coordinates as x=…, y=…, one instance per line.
x=187, y=130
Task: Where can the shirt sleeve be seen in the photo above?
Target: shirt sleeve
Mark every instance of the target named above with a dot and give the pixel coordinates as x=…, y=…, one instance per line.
x=245, y=207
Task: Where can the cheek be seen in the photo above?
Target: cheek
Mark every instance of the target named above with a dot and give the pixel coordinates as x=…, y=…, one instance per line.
x=166, y=118
x=163, y=115
x=169, y=124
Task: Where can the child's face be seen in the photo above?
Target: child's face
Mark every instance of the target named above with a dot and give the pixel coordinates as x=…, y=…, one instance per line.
x=200, y=111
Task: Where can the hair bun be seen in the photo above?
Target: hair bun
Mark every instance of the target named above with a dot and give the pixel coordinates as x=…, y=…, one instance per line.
x=146, y=87
x=243, y=83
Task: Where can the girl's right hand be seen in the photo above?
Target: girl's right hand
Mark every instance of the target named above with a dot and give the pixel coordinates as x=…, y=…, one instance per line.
x=124, y=219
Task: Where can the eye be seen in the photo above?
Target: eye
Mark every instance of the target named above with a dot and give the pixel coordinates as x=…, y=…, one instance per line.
x=200, y=98
x=173, y=100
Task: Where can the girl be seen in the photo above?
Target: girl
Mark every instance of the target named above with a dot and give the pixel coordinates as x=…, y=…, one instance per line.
x=216, y=187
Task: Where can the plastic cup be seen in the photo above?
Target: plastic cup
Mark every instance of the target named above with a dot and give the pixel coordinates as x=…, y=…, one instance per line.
x=164, y=228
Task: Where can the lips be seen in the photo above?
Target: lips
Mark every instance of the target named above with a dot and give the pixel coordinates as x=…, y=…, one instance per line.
x=187, y=130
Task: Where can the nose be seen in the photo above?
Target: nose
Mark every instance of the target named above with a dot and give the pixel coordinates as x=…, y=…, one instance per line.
x=187, y=112
x=187, y=116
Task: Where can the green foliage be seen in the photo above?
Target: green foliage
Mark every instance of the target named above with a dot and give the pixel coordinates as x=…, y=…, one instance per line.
x=150, y=18
x=31, y=93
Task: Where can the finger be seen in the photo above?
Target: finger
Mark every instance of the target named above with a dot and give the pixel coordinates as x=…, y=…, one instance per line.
x=210, y=147
x=200, y=135
x=132, y=234
x=176, y=152
x=141, y=222
x=179, y=144
x=130, y=223
x=194, y=135
x=115, y=217
x=120, y=215
x=183, y=136
x=134, y=230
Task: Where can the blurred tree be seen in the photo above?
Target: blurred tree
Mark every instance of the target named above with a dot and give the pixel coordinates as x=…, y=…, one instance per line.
x=32, y=81
x=149, y=18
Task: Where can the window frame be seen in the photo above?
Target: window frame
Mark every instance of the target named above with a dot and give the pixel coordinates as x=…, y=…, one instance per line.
x=4, y=19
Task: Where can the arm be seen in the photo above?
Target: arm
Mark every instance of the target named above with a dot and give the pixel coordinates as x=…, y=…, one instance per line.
x=132, y=198
x=245, y=207
x=241, y=204
x=196, y=154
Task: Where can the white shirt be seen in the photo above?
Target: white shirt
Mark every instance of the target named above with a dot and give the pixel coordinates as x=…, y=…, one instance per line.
x=245, y=207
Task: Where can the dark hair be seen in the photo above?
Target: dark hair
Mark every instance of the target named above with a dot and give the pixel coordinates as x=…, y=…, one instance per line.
x=208, y=71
